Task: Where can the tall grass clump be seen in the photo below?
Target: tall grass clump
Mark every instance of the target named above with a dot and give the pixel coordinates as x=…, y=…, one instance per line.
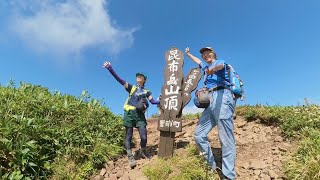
x=185, y=165
x=53, y=135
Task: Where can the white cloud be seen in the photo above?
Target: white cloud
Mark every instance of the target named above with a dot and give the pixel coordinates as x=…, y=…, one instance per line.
x=67, y=27
x=191, y=110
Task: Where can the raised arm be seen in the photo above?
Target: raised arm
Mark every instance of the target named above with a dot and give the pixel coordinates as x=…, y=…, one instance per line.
x=192, y=57
x=216, y=67
x=108, y=66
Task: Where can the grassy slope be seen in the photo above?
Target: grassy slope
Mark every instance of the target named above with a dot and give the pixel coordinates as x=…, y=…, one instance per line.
x=42, y=133
x=299, y=122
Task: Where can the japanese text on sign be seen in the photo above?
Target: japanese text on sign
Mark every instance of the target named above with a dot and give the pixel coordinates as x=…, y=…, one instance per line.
x=169, y=123
x=171, y=102
x=190, y=79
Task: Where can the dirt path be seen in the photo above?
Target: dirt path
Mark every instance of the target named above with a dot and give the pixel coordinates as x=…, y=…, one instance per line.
x=260, y=151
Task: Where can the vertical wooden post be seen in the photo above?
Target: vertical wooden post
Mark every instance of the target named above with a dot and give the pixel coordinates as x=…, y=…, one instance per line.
x=176, y=94
x=171, y=101
x=166, y=144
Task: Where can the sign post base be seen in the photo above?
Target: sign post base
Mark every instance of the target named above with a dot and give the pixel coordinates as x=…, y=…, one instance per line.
x=166, y=144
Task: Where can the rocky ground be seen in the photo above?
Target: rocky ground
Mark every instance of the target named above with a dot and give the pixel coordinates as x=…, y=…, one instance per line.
x=261, y=151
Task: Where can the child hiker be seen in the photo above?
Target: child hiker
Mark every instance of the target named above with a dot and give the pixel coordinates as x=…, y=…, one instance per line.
x=134, y=109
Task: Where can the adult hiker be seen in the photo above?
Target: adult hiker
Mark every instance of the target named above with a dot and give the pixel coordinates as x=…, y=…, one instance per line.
x=219, y=113
x=134, y=109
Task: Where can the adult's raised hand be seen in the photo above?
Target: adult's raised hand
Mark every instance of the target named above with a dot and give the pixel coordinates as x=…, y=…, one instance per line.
x=187, y=50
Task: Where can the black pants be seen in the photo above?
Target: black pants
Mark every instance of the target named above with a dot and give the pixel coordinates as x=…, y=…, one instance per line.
x=143, y=136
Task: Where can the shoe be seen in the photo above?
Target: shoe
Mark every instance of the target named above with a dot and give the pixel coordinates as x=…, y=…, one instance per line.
x=144, y=154
x=225, y=178
x=218, y=170
x=132, y=162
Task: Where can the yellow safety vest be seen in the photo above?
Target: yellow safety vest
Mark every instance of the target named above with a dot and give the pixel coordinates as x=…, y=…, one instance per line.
x=126, y=106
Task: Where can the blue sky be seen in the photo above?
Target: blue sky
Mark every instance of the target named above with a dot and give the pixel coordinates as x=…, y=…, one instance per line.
x=274, y=45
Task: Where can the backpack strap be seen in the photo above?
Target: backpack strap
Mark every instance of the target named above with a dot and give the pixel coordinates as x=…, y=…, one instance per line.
x=133, y=89
x=229, y=74
x=227, y=67
x=126, y=106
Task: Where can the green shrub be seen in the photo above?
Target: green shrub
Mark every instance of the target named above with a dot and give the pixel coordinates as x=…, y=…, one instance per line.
x=38, y=129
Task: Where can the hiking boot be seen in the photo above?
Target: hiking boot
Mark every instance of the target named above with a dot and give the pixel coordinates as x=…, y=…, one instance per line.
x=144, y=154
x=218, y=171
x=132, y=161
x=221, y=175
x=225, y=178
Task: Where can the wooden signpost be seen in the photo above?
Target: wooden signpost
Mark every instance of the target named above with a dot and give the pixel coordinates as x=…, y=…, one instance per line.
x=190, y=84
x=176, y=93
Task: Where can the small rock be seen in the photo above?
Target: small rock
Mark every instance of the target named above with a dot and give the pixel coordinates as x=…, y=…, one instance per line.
x=120, y=174
x=241, y=124
x=126, y=177
x=278, y=139
x=257, y=139
x=103, y=172
x=114, y=171
x=272, y=174
x=250, y=135
x=269, y=160
x=257, y=164
x=239, y=131
x=282, y=149
x=286, y=145
x=98, y=177
x=263, y=134
x=264, y=171
x=264, y=139
x=257, y=172
x=186, y=141
x=256, y=177
x=264, y=177
x=110, y=165
x=268, y=130
x=245, y=165
x=277, y=163
x=240, y=141
x=113, y=177
x=256, y=130
x=275, y=152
